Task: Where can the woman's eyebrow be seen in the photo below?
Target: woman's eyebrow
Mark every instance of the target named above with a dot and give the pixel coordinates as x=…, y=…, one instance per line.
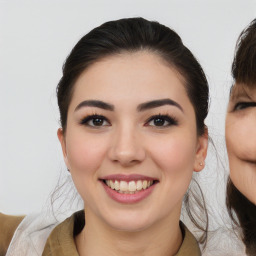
x=141, y=107
x=158, y=103
x=95, y=103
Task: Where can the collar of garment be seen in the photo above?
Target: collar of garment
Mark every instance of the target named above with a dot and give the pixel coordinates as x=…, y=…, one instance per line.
x=61, y=240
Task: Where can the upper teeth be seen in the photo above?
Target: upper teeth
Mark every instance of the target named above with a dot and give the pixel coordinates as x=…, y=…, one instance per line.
x=127, y=187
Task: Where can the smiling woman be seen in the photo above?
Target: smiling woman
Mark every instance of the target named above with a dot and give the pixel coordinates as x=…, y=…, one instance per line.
x=132, y=100
x=241, y=138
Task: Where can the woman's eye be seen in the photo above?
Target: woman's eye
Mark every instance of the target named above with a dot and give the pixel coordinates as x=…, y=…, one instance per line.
x=95, y=121
x=243, y=105
x=161, y=121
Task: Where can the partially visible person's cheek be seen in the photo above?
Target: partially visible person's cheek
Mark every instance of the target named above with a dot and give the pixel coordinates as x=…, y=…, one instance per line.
x=241, y=138
x=247, y=138
x=241, y=147
x=244, y=178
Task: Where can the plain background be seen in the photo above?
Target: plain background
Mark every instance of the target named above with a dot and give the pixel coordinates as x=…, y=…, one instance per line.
x=36, y=37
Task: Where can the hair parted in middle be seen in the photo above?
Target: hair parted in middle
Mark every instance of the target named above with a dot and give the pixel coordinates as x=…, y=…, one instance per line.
x=134, y=35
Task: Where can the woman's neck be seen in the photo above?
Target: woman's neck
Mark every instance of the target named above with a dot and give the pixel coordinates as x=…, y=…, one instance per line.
x=164, y=238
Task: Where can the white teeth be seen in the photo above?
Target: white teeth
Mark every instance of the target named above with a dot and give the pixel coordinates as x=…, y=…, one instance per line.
x=139, y=185
x=130, y=187
x=117, y=185
x=144, y=184
x=112, y=184
x=123, y=186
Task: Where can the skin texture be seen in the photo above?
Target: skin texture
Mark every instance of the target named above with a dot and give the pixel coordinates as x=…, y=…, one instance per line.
x=128, y=143
x=241, y=139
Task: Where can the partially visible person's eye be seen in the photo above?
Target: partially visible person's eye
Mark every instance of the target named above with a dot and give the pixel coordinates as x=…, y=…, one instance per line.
x=95, y=121
x=243, y=105
x=161, y=121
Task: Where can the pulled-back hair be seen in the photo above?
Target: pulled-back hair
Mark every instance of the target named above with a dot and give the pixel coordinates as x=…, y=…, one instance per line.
x=134, y=35
x=131, y=35
x=240, y=209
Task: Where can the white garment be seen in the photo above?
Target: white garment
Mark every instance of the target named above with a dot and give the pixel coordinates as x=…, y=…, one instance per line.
x=30, y=237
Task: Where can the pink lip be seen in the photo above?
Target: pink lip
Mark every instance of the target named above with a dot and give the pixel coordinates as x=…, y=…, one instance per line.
x=128, y=198
x=127, y=178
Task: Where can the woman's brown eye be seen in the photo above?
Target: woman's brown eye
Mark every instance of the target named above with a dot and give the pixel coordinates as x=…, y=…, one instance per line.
x=243, y=105
x=95, y=121
x=161, y=121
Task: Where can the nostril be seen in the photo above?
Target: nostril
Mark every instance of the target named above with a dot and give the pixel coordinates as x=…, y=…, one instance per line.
x=126, y=148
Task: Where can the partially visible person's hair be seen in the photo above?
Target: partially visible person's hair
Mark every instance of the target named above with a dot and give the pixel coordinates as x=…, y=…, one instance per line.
x=244, y=63
x=240, y=209
x=130, y=36
x=243, y=214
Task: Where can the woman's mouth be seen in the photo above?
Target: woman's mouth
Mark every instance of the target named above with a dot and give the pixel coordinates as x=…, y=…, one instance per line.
x=130, y=187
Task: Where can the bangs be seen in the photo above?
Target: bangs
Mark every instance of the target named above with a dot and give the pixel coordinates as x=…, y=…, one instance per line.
x=244, y=63
x=242, y=90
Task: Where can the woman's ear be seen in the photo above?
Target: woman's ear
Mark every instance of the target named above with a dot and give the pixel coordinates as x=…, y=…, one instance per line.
x=61, y=138
x=201, y=152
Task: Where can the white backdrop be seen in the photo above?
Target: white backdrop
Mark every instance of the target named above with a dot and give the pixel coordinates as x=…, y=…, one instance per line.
x=36, y=37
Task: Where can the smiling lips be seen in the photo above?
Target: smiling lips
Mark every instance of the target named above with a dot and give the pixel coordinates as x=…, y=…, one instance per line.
x=128, y=189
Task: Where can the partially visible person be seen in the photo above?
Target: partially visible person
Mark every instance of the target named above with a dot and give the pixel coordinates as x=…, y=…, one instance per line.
x=241, y=139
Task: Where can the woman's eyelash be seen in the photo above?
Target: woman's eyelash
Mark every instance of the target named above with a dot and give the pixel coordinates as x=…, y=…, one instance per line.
x=161, y=121
x=243, y=105
x=95, y=120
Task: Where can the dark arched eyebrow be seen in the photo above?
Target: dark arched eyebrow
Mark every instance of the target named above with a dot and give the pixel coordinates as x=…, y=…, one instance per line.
x=141, y=107
x=95, y=103
x=158, y=103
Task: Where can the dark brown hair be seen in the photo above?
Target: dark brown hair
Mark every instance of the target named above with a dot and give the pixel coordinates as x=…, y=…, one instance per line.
x=240, y=209
x=133, y=35
x=244, y=63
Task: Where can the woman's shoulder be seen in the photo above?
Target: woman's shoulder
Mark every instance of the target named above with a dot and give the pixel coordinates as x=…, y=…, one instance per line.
x=189, y=245
x=8, y=225
x=31, y=234
x=61, y=241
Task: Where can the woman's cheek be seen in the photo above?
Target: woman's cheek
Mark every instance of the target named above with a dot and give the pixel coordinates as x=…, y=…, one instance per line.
x=176, y=156
x=85, y=154
x=247, y=138
x=240, y=140
x=176, y=161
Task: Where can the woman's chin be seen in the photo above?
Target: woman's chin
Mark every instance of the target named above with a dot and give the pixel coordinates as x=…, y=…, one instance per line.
x=129, y=224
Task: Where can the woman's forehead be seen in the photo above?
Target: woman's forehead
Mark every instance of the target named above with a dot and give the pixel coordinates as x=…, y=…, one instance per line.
x=242, y=90
x=141, y=70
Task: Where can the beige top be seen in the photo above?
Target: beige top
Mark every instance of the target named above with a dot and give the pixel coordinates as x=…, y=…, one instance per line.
x=61, y=241
x=8, y=224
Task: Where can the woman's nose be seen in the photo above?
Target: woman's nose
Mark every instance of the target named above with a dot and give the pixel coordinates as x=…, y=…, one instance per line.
x=127, y=148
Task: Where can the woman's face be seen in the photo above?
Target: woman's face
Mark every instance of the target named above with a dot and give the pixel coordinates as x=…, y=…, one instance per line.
x=131, y=142
x=241, y=139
